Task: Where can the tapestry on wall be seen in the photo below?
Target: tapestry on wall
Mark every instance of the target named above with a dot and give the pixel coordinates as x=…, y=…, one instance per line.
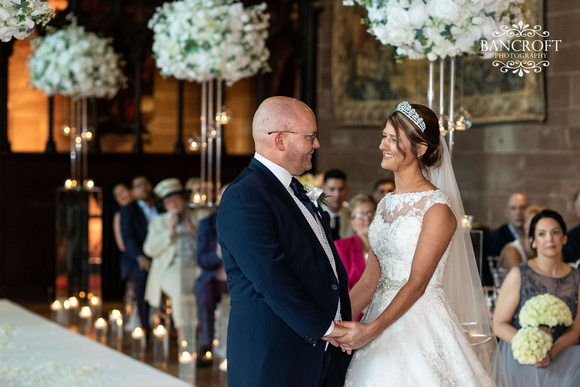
x=368, y=81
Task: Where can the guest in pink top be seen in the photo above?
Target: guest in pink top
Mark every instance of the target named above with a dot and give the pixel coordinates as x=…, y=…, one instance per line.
x=354, y=251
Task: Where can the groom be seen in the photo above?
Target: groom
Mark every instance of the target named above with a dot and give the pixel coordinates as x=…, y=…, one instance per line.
x=285, y=278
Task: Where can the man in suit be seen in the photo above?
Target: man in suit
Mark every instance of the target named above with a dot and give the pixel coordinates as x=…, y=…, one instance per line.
x=335, y=185
x=512, y=230
x=135, y=218
x=571, y=249
x=285, y=278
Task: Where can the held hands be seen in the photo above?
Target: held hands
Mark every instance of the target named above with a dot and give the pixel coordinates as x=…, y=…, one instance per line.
x=349, y=335
x=358, y=334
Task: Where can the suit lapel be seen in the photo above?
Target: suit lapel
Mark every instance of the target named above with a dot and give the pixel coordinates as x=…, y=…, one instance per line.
x=281, y=194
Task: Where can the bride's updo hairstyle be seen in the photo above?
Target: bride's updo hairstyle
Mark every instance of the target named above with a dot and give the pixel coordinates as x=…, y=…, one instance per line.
x=429, y=137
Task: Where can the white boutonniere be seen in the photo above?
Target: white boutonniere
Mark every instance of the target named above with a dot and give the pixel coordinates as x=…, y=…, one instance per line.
x=316, y=194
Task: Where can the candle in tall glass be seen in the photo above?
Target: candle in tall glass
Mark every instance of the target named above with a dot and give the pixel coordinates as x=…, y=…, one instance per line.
x=160, y=345
x=85, y=320
x=74, y=310
x=101, y=330
x=187, y=367
x=138, y=343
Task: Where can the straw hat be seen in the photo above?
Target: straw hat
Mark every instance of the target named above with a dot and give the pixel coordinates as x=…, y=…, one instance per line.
x=168, y=187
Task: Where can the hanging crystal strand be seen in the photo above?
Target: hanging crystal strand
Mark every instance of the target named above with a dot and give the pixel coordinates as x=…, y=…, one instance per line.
x=211, y=120
x=84, y=145
x=218, y=140
x=78, y=143
x=451, y=102
x=72, y=134
x=443, y=119
x=203, y=140
x=430, y=91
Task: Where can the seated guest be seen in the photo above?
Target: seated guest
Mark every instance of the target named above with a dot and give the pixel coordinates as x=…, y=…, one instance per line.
x=354, y=251
x=512, y=230
x=381, y=188
x=519, y=251
x=546, y=273
x=572, y=247
x=334, y=185
x=171, y=243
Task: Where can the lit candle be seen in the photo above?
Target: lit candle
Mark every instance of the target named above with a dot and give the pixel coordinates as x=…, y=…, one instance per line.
x=138, y=343
x=101, y=329
x=56, y=306
x=114, y=315
x=187, y=367
x=74, y=303
x=85, y=312
x=85, y=320
x=224, y=365
x=160, y=345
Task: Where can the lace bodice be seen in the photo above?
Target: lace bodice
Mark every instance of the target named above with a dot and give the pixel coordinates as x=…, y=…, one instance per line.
x=394, y=234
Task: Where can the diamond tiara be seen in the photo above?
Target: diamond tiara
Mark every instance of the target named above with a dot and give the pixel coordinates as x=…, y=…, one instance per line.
x=405, y=108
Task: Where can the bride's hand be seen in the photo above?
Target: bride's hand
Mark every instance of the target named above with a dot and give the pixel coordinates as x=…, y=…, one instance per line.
x=358, y=335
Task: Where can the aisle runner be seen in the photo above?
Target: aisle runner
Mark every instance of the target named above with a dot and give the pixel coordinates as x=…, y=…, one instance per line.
x=36, y=352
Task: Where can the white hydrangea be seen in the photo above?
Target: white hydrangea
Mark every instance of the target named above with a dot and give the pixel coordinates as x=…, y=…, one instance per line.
x=76, y=63
x=18, y=18
x=200, y=40
x=437, y=28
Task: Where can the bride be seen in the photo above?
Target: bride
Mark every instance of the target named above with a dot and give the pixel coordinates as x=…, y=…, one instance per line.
x=427, y=323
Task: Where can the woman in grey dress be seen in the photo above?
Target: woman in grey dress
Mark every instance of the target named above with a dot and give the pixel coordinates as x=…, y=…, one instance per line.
x=546, y=273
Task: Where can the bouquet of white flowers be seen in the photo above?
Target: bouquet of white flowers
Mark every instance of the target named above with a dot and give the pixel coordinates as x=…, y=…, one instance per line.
x=76, y=63
x=530, y=345
x=547, y=310
x=437, y=28
x=200, y=40
x=19, y=17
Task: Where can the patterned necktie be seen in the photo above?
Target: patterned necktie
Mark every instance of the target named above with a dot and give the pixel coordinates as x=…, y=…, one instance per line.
x=300, y=193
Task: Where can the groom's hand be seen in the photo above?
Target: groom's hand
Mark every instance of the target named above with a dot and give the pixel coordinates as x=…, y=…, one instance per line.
x=338, y=331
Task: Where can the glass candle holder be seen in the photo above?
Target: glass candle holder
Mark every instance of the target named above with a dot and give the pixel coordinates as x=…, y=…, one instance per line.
x=85, y=320
x=187, y=367
x=138, y=343
x=160, y=346
x=101, y=331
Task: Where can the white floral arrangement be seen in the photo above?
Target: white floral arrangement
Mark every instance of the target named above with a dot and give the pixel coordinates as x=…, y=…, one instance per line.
x=547, y=310
x=530, y=345
x=201, y=40
x=19, y=17
x=76, y=63
x=437, y=28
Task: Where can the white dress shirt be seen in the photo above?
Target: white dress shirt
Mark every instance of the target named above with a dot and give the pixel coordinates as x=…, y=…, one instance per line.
x=285, y=178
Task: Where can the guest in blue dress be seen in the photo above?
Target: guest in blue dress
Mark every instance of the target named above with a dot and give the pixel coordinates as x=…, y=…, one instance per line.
x=546, y=273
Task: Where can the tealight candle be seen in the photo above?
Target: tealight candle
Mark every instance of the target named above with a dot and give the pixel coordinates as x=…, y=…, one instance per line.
x=56, y=306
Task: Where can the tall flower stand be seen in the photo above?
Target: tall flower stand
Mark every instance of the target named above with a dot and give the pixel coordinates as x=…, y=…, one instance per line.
x=79, y=246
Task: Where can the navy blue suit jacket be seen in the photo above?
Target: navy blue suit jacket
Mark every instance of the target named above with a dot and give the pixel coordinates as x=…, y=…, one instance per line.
x=283, y=291
x=496, y=240
x=207, y=257
x=134, y=231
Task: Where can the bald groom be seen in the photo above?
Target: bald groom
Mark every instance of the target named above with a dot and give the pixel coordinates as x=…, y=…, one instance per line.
x=285, y=278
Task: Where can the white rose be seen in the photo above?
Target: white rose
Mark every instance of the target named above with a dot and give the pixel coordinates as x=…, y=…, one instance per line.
x=446, y=10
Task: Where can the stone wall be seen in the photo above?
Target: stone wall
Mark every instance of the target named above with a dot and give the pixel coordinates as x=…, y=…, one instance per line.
x=540, y=160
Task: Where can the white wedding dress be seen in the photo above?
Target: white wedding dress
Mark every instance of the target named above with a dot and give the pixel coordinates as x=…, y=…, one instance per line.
x=427, y=345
